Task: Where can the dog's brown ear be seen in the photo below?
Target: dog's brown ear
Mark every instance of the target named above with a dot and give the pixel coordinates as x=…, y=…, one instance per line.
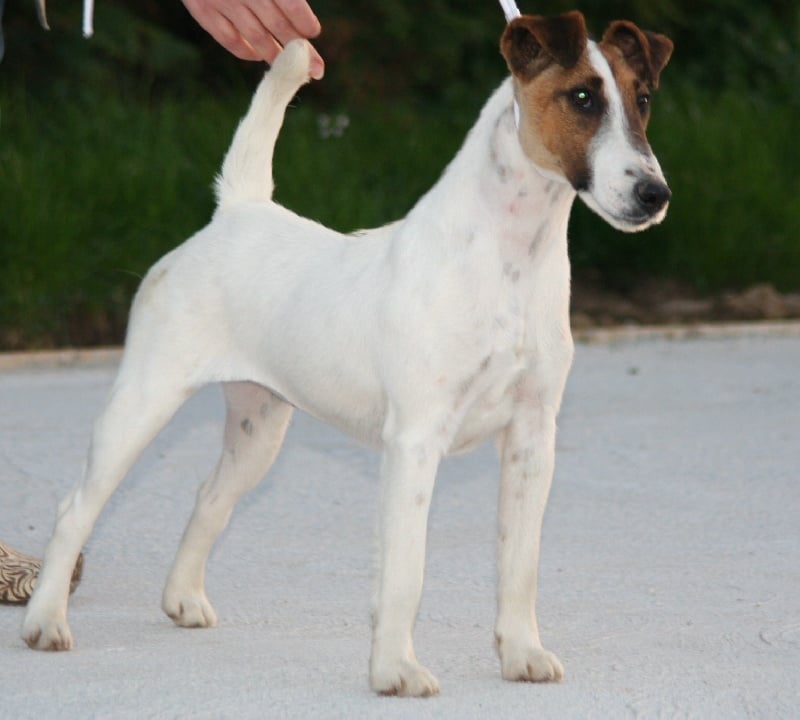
x=646, y=52
x=531, y=42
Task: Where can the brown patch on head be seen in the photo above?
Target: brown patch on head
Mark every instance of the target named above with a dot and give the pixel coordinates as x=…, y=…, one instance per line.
x=555, y=134
x=531, y=43
x=636, y=58
x=646, y=53
x=634, y=93
x=547, y=57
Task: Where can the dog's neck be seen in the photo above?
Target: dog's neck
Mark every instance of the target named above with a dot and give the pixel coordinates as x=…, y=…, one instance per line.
x=491, y=187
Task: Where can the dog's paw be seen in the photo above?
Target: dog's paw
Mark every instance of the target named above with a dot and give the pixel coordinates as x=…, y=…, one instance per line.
x=191, y=610
x=404, y=678
x=529, y=663
x=46, y=631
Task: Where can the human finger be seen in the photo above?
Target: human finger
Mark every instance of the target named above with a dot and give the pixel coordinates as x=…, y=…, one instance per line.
x=216, y=24
x=270, y=30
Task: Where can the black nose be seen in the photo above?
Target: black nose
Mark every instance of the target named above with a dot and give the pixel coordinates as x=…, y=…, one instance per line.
x=652, y=195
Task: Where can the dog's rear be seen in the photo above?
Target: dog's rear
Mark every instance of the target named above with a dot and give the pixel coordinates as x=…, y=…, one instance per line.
x=247, y=170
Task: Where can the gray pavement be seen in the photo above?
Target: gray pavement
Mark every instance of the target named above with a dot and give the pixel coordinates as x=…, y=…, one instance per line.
x=670, y=577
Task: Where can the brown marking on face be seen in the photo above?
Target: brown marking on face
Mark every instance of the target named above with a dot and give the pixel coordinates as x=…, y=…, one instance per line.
x=547, y=57
x=636, y=58
x=554, y=133
x=631, y=88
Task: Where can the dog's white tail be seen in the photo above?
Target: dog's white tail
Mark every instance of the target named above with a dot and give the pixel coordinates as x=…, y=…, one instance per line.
x=247, y=170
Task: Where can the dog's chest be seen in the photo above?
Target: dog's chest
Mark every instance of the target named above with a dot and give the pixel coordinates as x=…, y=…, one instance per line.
x=491, y=402
x=524, y=342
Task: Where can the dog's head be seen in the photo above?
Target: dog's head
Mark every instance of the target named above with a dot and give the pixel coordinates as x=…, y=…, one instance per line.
x=584, y=108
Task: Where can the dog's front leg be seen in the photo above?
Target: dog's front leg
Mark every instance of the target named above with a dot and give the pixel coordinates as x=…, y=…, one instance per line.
x=527, y=458
x=408, y=474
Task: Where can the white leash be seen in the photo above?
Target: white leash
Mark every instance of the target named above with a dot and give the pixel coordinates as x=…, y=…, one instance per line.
x=88, y=18
x=511, y=11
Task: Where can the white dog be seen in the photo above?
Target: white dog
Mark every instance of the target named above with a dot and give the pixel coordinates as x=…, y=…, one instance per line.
x=423, y=337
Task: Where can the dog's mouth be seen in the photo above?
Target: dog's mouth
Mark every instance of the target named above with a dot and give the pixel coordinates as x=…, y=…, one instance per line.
x=645, y=206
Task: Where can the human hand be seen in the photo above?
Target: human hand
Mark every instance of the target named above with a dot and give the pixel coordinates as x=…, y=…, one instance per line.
x=258, y=29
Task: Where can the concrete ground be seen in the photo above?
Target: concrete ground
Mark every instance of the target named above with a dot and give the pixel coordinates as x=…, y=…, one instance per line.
x=670, y=575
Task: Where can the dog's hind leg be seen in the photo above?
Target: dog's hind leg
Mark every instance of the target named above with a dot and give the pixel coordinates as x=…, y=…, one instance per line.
x=254, y=429
x=139, y=406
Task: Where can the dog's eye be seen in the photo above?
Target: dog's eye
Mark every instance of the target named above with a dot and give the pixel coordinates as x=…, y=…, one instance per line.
x=643, y=101
x=582, y=98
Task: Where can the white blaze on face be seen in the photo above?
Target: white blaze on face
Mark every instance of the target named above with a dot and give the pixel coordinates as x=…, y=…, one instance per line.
x=621, y=166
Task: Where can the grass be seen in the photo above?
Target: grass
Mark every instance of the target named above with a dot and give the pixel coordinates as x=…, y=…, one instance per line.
x=94, y=189
x=92, y=195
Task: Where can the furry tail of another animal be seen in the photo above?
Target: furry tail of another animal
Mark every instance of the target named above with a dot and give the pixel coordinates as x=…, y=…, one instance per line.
x=247, y=170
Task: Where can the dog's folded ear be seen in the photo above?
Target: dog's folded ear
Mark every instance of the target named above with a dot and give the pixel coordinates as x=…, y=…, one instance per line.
x=646, y=52
x=531, y=43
